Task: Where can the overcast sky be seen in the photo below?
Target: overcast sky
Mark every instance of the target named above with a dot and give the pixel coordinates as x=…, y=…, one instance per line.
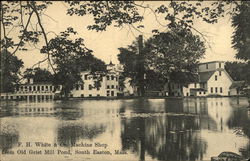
x=105, y=44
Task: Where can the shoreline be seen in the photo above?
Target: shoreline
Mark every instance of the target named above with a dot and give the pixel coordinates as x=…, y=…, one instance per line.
x=129, y=97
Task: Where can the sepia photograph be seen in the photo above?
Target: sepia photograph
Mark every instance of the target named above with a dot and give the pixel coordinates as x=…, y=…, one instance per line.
x=125, y=80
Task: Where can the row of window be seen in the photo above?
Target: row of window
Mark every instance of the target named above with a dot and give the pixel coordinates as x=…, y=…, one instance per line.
x=111, y=87
x=35, y=88
x=30, y=97
x=109, y=93
x=215, y=89
x=81, y=87
x=108, y=77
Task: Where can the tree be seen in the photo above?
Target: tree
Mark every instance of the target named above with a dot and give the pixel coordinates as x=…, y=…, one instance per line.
x=70, y=58
x=38, y=75
x=239, y=71
x=241, y=36
x=168, y=56
x=9, y=71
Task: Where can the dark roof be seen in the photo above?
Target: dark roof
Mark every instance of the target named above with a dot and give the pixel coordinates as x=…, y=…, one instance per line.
x=212, y=62
x=237, y=84
x=205, y=76
x=198, y=89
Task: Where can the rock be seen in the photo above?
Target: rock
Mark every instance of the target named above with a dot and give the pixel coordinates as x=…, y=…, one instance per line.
x=227, y=156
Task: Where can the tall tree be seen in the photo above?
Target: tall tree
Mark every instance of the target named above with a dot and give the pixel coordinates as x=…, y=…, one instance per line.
x=241, y=36
x=169, y=57
x=9, y=71
x=70, y=58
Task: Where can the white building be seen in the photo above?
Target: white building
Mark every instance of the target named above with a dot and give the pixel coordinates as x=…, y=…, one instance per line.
x=213, y=80
x=31, y=91
x=109, y=84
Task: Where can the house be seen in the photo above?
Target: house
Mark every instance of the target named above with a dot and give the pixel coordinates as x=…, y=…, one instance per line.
x=109, y=83
x=213, y=81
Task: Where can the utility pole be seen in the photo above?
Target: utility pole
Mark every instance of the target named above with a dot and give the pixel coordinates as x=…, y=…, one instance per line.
x=140, y=68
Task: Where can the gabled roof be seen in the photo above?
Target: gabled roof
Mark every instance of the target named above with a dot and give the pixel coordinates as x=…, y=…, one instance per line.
x=205, y=76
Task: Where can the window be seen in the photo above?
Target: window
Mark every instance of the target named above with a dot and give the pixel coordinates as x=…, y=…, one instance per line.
x=206, y=66
x=86, y=77
x=42, y=88
x=107, y=86
x=108, y=92
x=199, y=92
x=194, y=85
x=34, y=88
x=221, y=90
x=112, y=93
x=112, y=86
x=98, y=95
x=30, y=88
x=219, y=73
x=38, y=88
x=82, y=87
x=112, y=77
x=82, y=95
x=90, y=95
x=90, y=87
x=107, y=77
x=219, y=64
x=216, y=89
x=215, y=78
x=51, y=88
x=77, y=87
x=116, y=87
x=204, y=92
x=97, y=88
x=47, y=87
x=212, y=90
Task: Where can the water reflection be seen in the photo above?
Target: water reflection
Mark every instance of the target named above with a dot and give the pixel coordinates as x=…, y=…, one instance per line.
x=8, y=136
x=159, y=129
x=69, y=135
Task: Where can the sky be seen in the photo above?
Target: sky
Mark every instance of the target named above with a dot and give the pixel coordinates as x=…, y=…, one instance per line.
x=105, y=44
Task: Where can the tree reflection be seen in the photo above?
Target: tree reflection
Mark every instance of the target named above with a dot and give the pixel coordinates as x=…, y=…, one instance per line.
x=68, y=135
x=164, y=138
x=8, y=137
x=241, y=122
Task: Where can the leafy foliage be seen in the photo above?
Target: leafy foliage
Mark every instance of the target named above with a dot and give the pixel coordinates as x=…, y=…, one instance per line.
x=106, y=12
x=38, y=75
x=238, y=71
x=70, y=58
x=168, y=57
x=241, y=36
x=9, y=71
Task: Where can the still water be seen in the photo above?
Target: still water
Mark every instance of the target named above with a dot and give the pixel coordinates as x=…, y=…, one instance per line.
x=133, y=129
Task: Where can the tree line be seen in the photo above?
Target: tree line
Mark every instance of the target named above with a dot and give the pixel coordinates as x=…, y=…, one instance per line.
x=169, y=56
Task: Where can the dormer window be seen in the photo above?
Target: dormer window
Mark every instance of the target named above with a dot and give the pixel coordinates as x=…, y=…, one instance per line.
x=215, y=78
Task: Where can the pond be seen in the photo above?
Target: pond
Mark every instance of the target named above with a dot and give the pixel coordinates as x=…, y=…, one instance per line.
x=171, y=129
